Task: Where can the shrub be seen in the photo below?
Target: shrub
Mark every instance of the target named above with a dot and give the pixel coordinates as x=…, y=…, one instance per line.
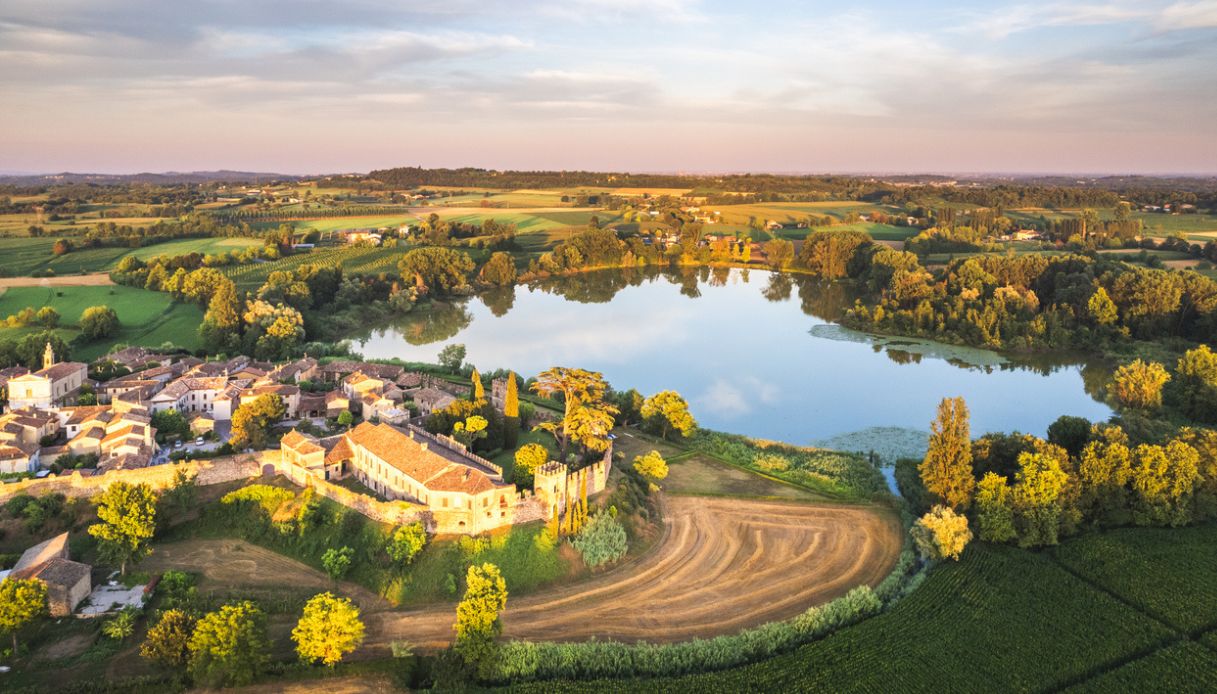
x=268, y=497
x=601, y=541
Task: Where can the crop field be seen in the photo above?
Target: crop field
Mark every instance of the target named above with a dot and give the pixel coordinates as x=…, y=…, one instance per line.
x=1185, y=666
x=878, y=232
x=721, y=565
x=1003, y=619
x=700, y=475
x=1152, y=569
x=791, y=212
x=25, y=256
x=18, y=224
x=335, y=223
x=356, y=260
x=146, y=317
x=207, y=246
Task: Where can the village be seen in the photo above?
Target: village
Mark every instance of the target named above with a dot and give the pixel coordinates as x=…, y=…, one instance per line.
x=369, y=417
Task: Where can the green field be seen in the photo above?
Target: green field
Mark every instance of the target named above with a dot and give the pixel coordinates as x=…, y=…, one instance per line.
x=25, y=256
x=1004, y=619
x=207, y=246
x=363, y=260
x=792, y=212
x=146, y=317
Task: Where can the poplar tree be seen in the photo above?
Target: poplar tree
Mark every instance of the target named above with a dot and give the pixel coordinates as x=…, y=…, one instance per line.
x=946, y=469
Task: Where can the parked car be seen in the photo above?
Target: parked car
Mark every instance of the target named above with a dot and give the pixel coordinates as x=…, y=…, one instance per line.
x=198, y=441
x=177, y=444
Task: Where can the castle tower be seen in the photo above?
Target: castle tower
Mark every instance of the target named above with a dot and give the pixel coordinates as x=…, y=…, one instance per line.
x=48, y=356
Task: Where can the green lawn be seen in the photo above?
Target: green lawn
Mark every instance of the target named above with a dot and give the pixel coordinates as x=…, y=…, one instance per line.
x=146, y=317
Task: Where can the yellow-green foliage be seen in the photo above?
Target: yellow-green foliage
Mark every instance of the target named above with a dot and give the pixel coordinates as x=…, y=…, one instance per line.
x=1139, y=385
x=942, y=533
x=268, y=497
x=477, y=615
x=328, y=629
x=127, y=521
x=652, y=466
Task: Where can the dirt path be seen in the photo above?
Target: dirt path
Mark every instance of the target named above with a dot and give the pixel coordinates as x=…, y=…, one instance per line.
x=226, y=564
x=99, y=279
x=723, y=565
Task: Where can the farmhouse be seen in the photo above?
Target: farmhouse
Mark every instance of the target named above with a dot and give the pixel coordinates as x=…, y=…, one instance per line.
x=68, y=582
x=55, y=384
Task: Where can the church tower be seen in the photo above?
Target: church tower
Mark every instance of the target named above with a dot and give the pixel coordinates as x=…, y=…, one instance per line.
x=48, y=357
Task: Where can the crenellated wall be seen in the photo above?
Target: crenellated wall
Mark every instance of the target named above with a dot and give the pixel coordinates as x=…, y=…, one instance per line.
x=215, y=471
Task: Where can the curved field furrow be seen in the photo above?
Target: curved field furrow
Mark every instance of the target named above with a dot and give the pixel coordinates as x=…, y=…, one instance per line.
x=722, y=565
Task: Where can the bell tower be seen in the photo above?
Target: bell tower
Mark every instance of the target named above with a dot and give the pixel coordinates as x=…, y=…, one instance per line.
x=48, y=356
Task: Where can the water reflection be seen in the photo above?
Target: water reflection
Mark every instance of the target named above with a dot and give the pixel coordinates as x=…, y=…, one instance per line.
x=757, y=353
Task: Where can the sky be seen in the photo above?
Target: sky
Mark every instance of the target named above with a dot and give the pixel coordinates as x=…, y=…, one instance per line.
x=123, y=86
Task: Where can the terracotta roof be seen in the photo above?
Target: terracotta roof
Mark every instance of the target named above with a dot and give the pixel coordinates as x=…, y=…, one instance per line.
x=62, y=370
x=420, y=463
x=76, y=415
x=300, y=443
x=10, y=451
x=339, y=451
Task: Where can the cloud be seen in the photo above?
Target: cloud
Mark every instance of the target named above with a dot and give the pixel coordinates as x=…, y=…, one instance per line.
x=1188, y=15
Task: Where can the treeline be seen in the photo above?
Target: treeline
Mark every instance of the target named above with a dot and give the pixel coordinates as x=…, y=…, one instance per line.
x=253, y=214
x=109, y=234
x=1033, y=492
x=1014, y=302
x=278, y=320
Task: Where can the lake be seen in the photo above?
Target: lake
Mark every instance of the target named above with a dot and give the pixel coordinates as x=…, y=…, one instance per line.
x=754, y=353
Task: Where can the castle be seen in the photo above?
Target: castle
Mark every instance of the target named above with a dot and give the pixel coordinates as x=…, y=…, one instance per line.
x=462, y=493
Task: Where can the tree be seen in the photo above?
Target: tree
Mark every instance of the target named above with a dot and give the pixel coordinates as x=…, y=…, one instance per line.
x=942, y=534
x=170, y=423
x=451, y=357
x=229, y=647
x=470, y=430
x=779, y=253
x=61, y=247
x=436, y=269
x=406, y=542
x=946, y=469
x=221, y=327
x=1163, y=479
x=168, y=641
x=652, y=466
x=1139, y=385
x=184, y=492
x=1070, y=433
x=1104, y=469
x=528, y=458
x=21, y=601
x=127, y=515
x=477, y=391
x=586, y=417
x=337, y=561
x=252, y=421
x=511, y=402
x=1039, y=484
x=499, y=271
x=667, y=410
x=477, y=616
x=345, y=418
x=994, y=509
x=98, y=322
x=328, y=629
x=274, y=331
x=1102, y=309
x=1196, y=385
x=47, y=317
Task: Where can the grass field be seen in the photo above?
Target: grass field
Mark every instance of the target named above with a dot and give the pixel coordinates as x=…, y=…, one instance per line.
x=207, y=246
x=146, y=317
x=1004, y=619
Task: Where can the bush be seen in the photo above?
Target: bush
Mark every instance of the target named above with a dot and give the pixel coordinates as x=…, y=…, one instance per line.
x=612, y=659
x=268, y=497
x=601, y=541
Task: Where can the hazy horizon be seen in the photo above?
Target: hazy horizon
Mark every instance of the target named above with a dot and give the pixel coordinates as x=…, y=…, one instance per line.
x=1014, y=88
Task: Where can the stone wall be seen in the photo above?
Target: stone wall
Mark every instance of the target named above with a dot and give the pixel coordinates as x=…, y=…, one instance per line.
x=393, y=512
x=215, y=471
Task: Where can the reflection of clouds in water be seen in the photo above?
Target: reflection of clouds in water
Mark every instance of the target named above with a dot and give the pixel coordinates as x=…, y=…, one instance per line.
x=612, y=337
x=733, y=399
